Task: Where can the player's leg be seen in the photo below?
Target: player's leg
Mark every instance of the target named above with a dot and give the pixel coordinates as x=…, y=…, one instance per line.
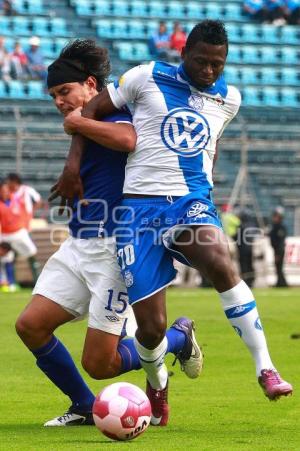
x=205, y=247
x=25, y=247
x=59, y=296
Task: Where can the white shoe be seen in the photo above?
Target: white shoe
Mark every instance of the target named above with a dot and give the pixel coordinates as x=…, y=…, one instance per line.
x=72, y=418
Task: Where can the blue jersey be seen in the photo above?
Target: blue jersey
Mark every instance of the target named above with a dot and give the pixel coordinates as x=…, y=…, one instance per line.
x=102, y=172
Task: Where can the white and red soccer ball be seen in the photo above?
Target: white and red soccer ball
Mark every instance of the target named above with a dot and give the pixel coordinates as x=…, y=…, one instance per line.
x=122, y=411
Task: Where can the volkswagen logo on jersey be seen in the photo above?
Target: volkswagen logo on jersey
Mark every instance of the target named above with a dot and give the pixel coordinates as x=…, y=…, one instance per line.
x=196, y=209
x=185, y=132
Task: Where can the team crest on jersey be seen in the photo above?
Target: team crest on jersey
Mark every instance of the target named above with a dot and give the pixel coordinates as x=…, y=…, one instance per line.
x=185, y=131
x=197, y=209
x=128, y=279
x=196, y=102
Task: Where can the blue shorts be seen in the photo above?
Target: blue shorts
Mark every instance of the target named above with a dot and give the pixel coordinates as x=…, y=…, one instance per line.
x=147, y=229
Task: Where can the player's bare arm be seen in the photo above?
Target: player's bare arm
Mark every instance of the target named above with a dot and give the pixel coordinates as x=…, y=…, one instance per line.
x=117, y=136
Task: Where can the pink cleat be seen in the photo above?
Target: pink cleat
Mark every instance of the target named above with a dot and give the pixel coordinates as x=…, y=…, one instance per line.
x=159, y=405
x=273, y=386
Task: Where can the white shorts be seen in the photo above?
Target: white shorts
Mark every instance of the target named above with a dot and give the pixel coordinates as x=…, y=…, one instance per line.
x=21, y=243
x=84, y=277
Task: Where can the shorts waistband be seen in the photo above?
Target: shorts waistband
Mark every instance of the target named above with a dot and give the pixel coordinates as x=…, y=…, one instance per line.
x=129, y=199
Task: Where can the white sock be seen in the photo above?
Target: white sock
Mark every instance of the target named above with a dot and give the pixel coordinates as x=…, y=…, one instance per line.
x=152, y=360
x=240, y=308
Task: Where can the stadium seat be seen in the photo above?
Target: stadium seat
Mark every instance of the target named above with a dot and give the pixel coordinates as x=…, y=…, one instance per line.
x=250, y=54
x=35, y=7
x=234, y=33
x=141, y=52
x=16, y=89
x=136, y=29
x=102, y=8
x=5, y=26
x=269, y=34
x=289, y=55
x=250, y=33
x=251, y=96
x=157, y=9
x=20, y=26
x=188, y=26
x=138, y=8
x=125, y=51
x=234, y=54
x=232, y=11
x=3, y=91
x=83, y=8
x=232, y=75
x=58, y=26
x=104, y=29
x=48, y=48
x=40, y=26
x=269, y=76
x=290, y=98
x=175, y=10
x=120, y=8
x=290, y=76
x=269, y=55
x=249, y=76
x=19, y=6
x=36, y=90
x=290, y=35
x=213, y=10
x=119, y=28
x=270, y=97
x=193, y=11
x=151, y=27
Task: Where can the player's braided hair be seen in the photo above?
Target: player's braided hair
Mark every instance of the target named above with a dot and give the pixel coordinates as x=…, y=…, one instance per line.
x=208, y=31
x=93, y=58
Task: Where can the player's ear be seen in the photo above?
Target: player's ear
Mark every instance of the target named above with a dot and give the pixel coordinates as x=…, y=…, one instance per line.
x=91, y=82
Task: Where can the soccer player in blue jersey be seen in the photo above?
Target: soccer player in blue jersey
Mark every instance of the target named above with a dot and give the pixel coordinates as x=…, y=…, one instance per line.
x=179, y=116
x=83, y=276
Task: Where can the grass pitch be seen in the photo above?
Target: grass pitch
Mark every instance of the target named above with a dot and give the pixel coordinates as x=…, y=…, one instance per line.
x=222, y=410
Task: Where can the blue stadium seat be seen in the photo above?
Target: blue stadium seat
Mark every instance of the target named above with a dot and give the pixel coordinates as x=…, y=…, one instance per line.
x=251, y=96
x=119, y=28
x=234, y=32
x=83, y=8
x=290, y=35
x=36, y=90
x=213, y=10
x=16, y=89
x=35, y=7
x=138, y=8
x=232, y=11
x=290, y=98
x=9, y=43
x=250, y=33
x=20, y=26
x=5, y=26
x=269, y=34
x=136, y=29
x=249, y=76
x=157, y=9
x=151, y=27
x=289, y=55
x=290, y=76
x=188, y=26
x=3, y=91
x=141, y=52
x=175, y=10
x=269, y=55
x=48, y=48
x=269, y=76
x=120, y=8
x=234, y=54
x=193, y=10
x=40, y=26
x=232, y=75
x=19, y=6
x=125, y=51
x=104, y=29
x=250, y=54
x=58, y=26
x=271, y=97
x=102, y=7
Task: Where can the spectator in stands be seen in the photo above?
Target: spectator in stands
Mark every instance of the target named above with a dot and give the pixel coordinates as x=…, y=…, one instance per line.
x=13, y=228
x=5, y=62
x=277, y=235
x=159, y=43
x=257, y=10
x=293, y=11
x=25, y=195
x=245, y=246
x=177, y=41
x=7, y=8
x=276, y=12
x=20, y=61
x=7, y=270
x=36, y=64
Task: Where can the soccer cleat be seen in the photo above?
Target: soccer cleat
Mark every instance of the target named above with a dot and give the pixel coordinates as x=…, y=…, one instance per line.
x=273, y=386
x=72, y=417
x=190, y=356
x=159, y=405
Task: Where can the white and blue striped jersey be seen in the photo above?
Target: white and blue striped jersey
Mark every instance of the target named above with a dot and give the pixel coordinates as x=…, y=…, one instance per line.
x=177, y=127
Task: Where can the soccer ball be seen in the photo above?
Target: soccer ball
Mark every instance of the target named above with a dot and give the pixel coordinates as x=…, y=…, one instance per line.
x=122, y=411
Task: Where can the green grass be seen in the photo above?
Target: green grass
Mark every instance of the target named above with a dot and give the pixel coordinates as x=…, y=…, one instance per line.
x=222, y=410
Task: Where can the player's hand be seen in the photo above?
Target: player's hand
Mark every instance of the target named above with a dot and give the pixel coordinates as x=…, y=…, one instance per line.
x=71, y=121
x=68, y=187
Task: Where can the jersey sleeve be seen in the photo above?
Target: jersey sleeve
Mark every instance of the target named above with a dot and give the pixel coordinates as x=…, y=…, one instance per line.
x=128, y=88
x=234, y=103
x=123, y=116
x=35, y=196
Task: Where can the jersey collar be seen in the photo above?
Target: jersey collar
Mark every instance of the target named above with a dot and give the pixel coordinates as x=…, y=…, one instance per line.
x=219, y=87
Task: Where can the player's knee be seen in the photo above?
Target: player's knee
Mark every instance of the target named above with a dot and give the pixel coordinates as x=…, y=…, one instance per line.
x=152, y=331
x=103, y=368
x=221, y=271
x=29, y=330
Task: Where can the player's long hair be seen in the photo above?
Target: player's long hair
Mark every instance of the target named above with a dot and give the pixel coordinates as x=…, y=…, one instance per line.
x=95, y=59
x=208, y=31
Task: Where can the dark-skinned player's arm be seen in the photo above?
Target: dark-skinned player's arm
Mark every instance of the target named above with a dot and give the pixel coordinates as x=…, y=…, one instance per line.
x=69, y=184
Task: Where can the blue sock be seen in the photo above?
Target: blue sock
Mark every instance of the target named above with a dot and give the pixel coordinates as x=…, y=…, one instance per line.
x=10, y=273
x=176, y=340
x=57, y=364
x=130, y=358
